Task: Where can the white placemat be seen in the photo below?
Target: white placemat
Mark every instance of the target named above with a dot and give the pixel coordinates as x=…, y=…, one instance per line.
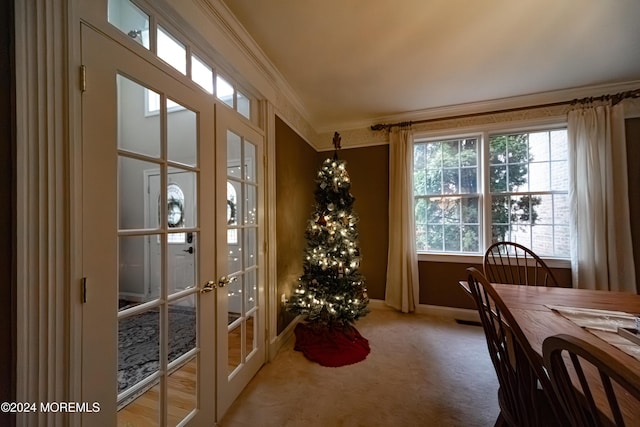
x=602, y=320
x=602, y=323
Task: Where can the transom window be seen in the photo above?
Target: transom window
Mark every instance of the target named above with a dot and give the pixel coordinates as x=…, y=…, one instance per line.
x=516, y=189
x=135, y=22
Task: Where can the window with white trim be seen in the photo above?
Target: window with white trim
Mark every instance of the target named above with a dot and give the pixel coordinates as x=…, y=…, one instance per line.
x=447, y=198
x=176, y=52
x=468, y=195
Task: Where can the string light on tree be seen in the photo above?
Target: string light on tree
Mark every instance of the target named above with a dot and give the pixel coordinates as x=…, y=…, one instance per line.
x=331, y=290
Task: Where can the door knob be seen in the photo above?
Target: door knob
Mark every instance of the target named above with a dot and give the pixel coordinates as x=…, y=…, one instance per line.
x=224, y=281
x=190, y=250
x=208, y=287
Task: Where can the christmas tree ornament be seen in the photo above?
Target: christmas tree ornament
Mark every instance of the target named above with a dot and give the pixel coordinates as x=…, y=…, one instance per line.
x=331, y=293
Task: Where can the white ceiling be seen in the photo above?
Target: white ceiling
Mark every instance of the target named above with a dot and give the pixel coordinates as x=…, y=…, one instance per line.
x=356, y=61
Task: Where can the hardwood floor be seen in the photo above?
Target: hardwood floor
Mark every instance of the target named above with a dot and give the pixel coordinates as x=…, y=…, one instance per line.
x=235, y=339
x=181, y=388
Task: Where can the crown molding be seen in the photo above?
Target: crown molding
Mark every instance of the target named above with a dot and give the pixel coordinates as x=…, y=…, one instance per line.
x=295, y=127
x=280, y=94
x=222, y=18
x=242, y=53
x=562, y=95
x=358, y=134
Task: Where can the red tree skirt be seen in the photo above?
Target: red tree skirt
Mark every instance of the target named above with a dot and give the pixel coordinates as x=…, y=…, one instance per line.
x=331, y=346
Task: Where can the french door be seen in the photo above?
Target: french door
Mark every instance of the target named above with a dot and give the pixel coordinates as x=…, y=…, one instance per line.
x=241, y=300
x=149, y=242
x=173, y=236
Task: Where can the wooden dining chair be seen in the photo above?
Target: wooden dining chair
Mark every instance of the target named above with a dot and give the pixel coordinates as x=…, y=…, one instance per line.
x=566, y=356
x=513, y=263
x=525, y=395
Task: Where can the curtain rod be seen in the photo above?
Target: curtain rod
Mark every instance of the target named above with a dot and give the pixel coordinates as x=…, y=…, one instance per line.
x=615, y=99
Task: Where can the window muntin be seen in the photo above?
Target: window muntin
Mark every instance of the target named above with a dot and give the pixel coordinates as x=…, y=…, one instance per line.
x=135, y=22
x=529, y=181
x=152, y=104
x=130, y=19
x=446, y=191
x=527, y=192
x=244, y=105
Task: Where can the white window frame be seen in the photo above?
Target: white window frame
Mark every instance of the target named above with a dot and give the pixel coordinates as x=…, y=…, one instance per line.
x=479, y=190
x=483, y=133
x=152, y=101
x=156, y=24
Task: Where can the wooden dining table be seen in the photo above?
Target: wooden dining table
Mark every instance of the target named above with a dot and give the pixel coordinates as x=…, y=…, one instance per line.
x=528, y=305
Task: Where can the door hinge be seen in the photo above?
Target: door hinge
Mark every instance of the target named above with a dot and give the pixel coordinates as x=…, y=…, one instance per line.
x=84, y=290
x=83, y=78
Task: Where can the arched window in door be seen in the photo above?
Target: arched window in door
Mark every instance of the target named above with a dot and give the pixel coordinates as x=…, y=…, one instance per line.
x=232, y=214
x=175, y=212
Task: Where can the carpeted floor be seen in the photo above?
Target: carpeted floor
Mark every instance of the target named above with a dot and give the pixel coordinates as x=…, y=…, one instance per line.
x=422, y=371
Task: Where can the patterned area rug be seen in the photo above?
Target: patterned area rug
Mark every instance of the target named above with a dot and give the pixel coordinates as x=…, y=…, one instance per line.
x=138, y=342
x=139, y=347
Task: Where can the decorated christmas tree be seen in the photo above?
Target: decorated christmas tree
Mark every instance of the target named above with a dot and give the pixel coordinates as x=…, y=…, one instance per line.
x=331, y=292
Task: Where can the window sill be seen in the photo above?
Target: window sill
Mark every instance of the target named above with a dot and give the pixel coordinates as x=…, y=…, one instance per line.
x=477, y=259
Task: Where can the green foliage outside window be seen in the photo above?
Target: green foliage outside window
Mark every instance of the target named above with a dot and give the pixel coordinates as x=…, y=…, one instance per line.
x=447, y=193
x=446, y=186
x=509, y=158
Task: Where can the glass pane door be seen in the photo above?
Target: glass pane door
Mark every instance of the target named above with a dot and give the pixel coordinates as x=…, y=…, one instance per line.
x=241, y=347
x=242, y=232
x=158, y=242
x=148, y=241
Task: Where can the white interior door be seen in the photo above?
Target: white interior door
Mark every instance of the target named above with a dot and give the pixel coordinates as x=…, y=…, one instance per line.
x=241, y=302
x=181, y=194
x=148, y=330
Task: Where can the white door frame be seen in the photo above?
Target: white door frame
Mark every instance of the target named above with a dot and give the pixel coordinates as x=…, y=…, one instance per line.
x=47, y=224
x=106, y=59
x=48, y=167
x=227, y=120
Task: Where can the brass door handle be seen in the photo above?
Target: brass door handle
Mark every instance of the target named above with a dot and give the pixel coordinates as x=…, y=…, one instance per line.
x=208, y=287
x=224, y=281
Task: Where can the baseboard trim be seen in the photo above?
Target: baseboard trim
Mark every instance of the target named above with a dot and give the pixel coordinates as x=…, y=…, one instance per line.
x=379, y=304
x=453, y=312
x=282, y=338
x=433, y=310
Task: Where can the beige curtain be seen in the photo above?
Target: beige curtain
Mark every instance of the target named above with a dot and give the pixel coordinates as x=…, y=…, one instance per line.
x=601, y=246
x=402, y=263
